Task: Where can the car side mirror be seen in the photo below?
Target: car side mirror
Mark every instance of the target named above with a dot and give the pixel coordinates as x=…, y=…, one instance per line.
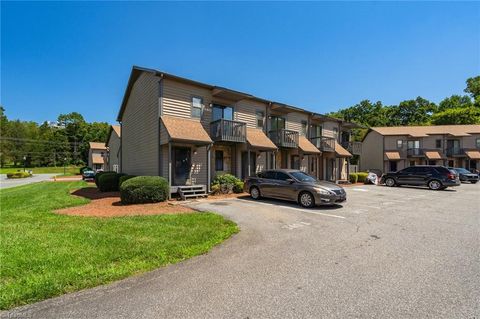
x=290, y=180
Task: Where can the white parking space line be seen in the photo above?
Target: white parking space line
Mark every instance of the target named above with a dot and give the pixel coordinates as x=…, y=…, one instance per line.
x=297, y=209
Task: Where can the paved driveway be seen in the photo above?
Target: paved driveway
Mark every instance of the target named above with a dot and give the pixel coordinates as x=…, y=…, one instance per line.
x=387, y=253
x=7, y=183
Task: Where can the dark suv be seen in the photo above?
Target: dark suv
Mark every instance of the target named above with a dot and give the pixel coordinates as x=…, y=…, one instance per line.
x=435, y=177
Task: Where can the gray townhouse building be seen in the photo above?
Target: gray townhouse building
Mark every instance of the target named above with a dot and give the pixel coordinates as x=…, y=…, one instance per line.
x=394, y=148
x=188, y=132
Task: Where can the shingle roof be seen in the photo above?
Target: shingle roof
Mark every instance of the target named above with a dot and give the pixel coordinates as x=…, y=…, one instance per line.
x=433, y=155
x=306, y=146
x=116, y=128
x=257, y=139
x=185, y=130
x=392, y=156
x=340, y=151
x=474, y=155
x=422, y=131
x=98, y=145
x=97, y=159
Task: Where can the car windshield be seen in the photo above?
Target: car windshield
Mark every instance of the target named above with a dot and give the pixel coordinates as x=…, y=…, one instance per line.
x=462, y=170
x=301, y=176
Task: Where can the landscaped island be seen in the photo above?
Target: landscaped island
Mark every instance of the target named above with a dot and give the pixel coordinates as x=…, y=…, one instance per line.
x=45, y=254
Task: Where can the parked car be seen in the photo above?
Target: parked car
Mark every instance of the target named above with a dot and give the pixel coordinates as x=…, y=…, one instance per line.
x=433, y=176
x=294, y=185
x=88, y=175
x=465, y=175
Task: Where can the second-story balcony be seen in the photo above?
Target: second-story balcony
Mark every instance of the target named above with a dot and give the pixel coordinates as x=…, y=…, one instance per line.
x=324, y=144
x=455, y=151
x=284, y=138
x=223, y=130
x=353, y=147
x=415, y=152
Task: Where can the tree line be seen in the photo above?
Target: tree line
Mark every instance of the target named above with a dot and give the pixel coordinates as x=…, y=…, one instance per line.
x=456, y=109
x=62, y=143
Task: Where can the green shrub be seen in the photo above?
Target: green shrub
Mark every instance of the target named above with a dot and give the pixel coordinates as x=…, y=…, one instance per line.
x=85, y=168
x=238, y=187
x=108, y=182
x=144, y=189
x=123, y=178
x=362, y=177
x=215, y=188
x=98, y=174
x=19, y=175
x=227, y=183
x=353, y=178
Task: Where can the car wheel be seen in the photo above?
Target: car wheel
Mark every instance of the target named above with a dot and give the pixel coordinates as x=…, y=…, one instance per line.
x=390, y=182
x=435, y=185
x=254, y=192
x=306, y=199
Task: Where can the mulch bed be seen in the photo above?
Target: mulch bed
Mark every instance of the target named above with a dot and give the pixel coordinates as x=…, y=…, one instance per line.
x=108, y=205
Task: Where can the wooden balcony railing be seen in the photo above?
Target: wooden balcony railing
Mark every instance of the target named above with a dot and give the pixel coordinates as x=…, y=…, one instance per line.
x=284, y=138
x=223, y=130
x=415, y=152
x=324, y=144
x=353, y=147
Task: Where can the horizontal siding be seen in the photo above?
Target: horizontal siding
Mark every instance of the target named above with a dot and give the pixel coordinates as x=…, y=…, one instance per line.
x=113, y=151
x=327, y=128
x=294, y=121
x=245, y=111
x=140, y=139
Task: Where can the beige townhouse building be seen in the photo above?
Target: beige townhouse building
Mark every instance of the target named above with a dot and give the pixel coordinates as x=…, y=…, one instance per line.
x=394, y=148
x=188, y=132
x=113, y=149
x=97, y=156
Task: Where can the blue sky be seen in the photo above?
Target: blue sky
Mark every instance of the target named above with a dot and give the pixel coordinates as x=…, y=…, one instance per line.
x=64, y=57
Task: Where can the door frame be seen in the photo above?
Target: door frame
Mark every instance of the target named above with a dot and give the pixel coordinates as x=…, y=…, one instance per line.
x=174, y=148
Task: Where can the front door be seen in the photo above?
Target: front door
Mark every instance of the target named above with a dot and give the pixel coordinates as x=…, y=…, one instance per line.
x=181, y=165
x=253, y=164
x=330, y=169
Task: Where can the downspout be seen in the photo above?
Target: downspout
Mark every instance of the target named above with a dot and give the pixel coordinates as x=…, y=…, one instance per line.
x=209, y=177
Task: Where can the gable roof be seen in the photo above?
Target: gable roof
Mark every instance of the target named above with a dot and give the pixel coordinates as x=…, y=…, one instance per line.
x=423, y=131
x=97, y=145
x=113, y=128
x=216, y=90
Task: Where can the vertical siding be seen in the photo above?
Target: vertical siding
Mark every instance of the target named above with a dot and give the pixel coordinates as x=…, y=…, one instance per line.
x=140, y=140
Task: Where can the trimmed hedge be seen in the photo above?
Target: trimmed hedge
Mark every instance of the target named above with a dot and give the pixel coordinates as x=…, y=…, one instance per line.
x=123, y=178
x=97, y=176
x=226, y=184
x=108, y=181
x=19, y=175
x=144, y=189
x=353, y=178
x=362, y=177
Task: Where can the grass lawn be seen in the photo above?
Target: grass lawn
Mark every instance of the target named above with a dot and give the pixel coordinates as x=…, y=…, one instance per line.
x=43, y=254
x=70, y=171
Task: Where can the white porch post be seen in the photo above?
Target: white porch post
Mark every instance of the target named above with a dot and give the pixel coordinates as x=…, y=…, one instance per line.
x=209, y=173
x=248, y=155
x=170, y=168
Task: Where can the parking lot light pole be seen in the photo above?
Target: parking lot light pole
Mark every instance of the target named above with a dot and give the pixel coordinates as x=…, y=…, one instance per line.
x=64, y=163
x=24, y=163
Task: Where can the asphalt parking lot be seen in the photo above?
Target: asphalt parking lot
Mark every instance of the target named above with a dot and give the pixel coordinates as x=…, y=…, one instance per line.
x=385, y=253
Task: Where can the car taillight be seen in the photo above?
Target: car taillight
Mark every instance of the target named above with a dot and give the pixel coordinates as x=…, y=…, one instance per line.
x=450, y=176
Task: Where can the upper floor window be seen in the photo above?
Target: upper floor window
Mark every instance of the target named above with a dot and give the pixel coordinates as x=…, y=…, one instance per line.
x=335, y=133
x=316, y=131
x=438, y=143
x=277, y=123
x=413, y=144
x=197, y=107
x=477, y=142
x=304, y=128
x=222, y=112
x=260, y=119
x=399, y=143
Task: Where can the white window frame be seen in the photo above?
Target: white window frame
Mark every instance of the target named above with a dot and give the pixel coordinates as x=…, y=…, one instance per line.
x=199, y=108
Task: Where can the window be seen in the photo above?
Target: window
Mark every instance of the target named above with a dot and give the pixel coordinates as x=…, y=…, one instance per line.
x=399, y=143
x=197, y=107
x=260, y=119
x=413, y=144
x=304, y=128
x=269, y=175
x=277, y=123
x=335, y=133
x=222, y=112
x=281, y=176
x=408, y=170
x=303, y=177
x=438, y=143
x=477, y=142
x=219, y=160
x=316, y=131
